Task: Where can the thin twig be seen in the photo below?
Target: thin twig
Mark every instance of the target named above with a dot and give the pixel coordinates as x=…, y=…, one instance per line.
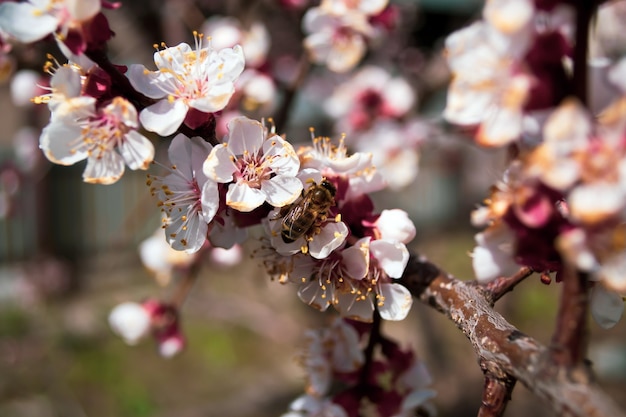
x=500, y=286
x=368, y=352
x=186, y=282
x=569, y=341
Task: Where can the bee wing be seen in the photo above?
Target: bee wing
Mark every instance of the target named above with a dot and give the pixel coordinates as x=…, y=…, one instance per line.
x=297, y=212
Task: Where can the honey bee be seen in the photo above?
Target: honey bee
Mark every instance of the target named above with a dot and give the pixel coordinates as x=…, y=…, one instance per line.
x=307, y=213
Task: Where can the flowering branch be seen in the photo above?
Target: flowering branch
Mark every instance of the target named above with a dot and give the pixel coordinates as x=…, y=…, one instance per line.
x=502, y=346
x=569, y=340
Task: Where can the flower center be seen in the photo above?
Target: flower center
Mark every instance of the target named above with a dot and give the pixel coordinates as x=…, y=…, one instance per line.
x=253, y=169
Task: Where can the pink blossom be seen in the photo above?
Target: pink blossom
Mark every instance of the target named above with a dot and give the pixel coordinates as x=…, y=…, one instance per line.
x=258, y=167
x=188, y=199
x=186, y=78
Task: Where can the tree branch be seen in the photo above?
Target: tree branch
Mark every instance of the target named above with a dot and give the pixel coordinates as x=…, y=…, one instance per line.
x=496, y=392
x=502, y=346
x=569, y=341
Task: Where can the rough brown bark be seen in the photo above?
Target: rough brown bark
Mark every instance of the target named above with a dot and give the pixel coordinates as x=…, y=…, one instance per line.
x=500, y=346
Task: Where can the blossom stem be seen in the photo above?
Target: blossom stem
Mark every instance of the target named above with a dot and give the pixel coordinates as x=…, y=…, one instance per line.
x=368, y=353
x=119, y=80
x=500, y=286
x=185, y=284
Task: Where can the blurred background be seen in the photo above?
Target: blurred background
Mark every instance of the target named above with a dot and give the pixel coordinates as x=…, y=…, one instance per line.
x=68, y=252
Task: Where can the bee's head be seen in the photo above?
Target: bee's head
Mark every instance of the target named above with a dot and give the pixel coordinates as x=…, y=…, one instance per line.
x=329, y=186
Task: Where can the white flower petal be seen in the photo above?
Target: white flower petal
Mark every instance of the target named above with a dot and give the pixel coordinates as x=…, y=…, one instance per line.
x=281, y=190
x=210, y=200
x=596, y=202
x=217, y=98
x=25, y=22
x=284, y=159
x=137, y=150
x=104, y=168
x=331, y=236
x=172, y=58
x=399, y=95
x=227, y=235
x=244, y=135
x=356, y=259
x=352, y=307
x=395, y=225
x=396, y=302
x=66, y=81
x=231, y=63
x=219, y=165
x=312, y=294
x=613, y=272
x=493, y=257
x=146, y=82
x=242, y=197
x=83, y=9
x=130, y=321
x=500, y=127
x=510, y=16
x=186, y=233
x=574, y=247
x=163, y=117
x=57, y=141
x=392, y=256
x=346, y=355
x=617, y=75
x=187, y=154
x=171, y=346
x=347, y=53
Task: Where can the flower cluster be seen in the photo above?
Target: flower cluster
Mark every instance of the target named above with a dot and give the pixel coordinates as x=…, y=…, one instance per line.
x=188, y=85
x=560, y=206
x=133, y=321
x=563, y=205
x=507, y=67
x=338, y=30
x=73, y=23
x=373, y=108
x=101, y=129
x=396, y=384
x=347, y=256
